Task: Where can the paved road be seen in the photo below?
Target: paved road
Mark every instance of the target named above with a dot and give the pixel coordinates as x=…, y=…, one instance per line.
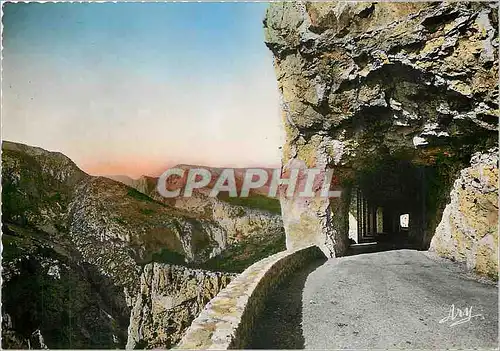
x=393, y=299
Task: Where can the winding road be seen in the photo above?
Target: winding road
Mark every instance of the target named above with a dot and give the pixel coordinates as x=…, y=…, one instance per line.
x=385, y=300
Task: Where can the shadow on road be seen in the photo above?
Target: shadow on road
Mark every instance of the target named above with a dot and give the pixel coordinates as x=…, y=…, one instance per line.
x=279, y=326
x=382, y=243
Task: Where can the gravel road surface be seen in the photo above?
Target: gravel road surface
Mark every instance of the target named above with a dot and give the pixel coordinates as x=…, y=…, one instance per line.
x=393, y=299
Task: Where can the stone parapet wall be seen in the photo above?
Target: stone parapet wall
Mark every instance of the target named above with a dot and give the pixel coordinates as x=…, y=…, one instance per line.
x=227, y=320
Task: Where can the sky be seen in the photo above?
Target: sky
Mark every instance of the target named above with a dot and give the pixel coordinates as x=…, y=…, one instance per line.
x=135, y=88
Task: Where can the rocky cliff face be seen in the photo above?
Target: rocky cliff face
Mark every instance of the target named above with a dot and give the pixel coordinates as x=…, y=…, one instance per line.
x=253, y=223
x=395, y=97
x=170, y=298
x=47, y=288
x=238, y=222
x=468, y=231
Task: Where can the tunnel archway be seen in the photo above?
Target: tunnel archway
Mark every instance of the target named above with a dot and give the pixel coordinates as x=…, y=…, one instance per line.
x=381, y=195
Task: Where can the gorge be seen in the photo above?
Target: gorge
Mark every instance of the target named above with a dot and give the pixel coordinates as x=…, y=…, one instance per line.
x=400, y=100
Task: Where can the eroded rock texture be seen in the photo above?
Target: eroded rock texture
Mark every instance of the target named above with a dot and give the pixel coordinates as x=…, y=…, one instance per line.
x=170, y=298
x=236, y=234
x=468, y=231
x=395, y=97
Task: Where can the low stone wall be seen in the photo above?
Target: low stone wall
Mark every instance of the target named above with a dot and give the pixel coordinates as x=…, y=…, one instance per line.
x=227, y=320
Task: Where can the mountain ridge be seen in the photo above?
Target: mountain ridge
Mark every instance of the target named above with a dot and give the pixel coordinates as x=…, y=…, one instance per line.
x=93, y=234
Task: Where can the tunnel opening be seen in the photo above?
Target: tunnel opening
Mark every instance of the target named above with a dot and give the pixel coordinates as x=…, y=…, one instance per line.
x=393, y=205
x=404, y=221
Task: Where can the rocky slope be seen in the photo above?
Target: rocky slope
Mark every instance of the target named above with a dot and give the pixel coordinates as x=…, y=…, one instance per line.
x=248, y=226
x=468, y=231
x=395, y=97
x=47, y=287
x=144, y=184
x=170, y=297
x=74, y=248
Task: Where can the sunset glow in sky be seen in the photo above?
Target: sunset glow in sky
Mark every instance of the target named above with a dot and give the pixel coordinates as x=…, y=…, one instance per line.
x=133, y=88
